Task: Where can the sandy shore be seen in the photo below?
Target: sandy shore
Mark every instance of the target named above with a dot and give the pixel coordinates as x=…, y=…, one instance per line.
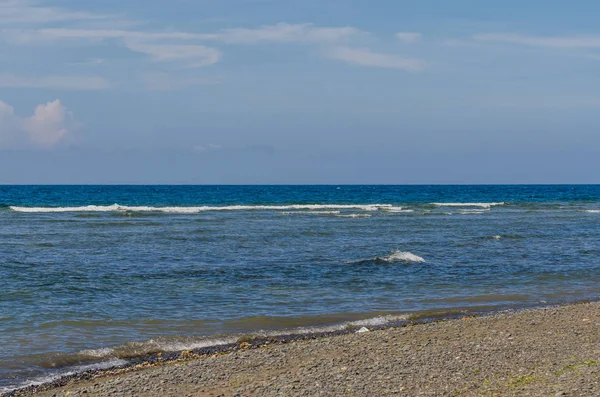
x=541, y=352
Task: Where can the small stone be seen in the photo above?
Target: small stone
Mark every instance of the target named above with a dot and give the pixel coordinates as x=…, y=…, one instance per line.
x=362, y=330
x=560, y=394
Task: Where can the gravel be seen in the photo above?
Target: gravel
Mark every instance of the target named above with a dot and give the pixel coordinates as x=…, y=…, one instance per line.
x=540, y=352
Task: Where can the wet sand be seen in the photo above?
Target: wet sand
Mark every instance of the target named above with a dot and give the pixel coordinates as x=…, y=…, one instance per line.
x=540, y=352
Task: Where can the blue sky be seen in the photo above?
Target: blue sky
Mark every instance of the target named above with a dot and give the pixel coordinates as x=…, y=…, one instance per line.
x=275, y=91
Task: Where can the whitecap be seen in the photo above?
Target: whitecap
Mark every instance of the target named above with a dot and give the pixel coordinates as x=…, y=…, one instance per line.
x=593, y=211
x=402, y=256
x=198, y=209
x=478, y=211
x=354, y=216
x=397, y=210
x=482, y=205
x=310, y=212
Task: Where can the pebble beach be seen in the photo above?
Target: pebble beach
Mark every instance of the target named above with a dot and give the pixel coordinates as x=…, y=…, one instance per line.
x=551, y=351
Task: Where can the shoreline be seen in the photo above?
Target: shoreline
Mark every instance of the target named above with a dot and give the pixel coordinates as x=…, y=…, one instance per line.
x=249, y=345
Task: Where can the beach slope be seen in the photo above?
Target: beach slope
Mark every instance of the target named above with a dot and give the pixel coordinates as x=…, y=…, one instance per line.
x=541, y=352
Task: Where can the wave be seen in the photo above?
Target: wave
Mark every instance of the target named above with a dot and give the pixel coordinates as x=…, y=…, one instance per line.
x=471, y=212
x=354, y=216
x=130, y=353
x=482, y=205
x=593, y=211
x=111, y=363
x=177, y=344
x=310, y=212
x=198, y=209
x=395, y=256
x=397, y=210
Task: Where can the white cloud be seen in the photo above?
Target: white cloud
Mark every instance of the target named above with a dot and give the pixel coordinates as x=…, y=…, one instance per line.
x=192, y=55
x=408, y=37
x=287, y=33
x=100, y=34
x=175, y=46
x=47, y=126
x=366, y=57
x=541, y=41
x=278, y=33
x=166, y=82
x=50, y=124
x=74, y=83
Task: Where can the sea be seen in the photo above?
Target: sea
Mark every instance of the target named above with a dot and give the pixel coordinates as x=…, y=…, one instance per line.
x=93, y=276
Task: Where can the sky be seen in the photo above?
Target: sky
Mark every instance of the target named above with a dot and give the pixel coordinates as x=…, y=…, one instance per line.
x=299, y=92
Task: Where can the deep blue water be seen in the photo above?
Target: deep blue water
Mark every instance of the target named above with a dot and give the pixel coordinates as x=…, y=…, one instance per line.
x=174, y=267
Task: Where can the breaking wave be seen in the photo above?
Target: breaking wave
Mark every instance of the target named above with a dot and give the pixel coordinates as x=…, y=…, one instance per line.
x=473, y=212
x=111, y=363
x=395, y=256
x=309, y=212
x=482, y=205
x=354, y=216
x=126, y=354
x=198, y=209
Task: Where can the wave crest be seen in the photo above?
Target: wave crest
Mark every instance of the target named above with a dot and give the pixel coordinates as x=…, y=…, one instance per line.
x=403, y=256
x=481, y=205
x=198, y=209
x=395, y=256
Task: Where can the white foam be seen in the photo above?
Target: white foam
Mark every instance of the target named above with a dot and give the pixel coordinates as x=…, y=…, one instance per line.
x=496, y=237
x=369, y=322
x=309, y=212
x=176, y=346
x=593, y=211
x=198, y=209
x=102, y=352
x=478, y=211
x=482, y=205
x=354, y=216
x=377, y=321
x=51, y=378
x=397, y=209
x=401, y=256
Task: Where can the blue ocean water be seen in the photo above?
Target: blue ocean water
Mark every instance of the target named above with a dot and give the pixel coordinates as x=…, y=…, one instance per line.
x=93, y=275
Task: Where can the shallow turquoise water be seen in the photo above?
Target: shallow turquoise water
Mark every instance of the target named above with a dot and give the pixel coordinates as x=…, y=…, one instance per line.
x=168, y=267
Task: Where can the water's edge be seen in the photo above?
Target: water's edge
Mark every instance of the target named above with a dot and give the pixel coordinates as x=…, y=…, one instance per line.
x=254, y=342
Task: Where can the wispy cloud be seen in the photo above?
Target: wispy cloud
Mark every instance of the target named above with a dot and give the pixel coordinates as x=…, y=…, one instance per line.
x=50, y=124
x=192, y=55
x=540, y=41
x=408, y=37
x=73, y=83
x=184, y=49
x=100, y=34
x=14, y=12
x=278, y=33
x=287, y=33
x=190, y=48
x=206, y=148
x=366, y=57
